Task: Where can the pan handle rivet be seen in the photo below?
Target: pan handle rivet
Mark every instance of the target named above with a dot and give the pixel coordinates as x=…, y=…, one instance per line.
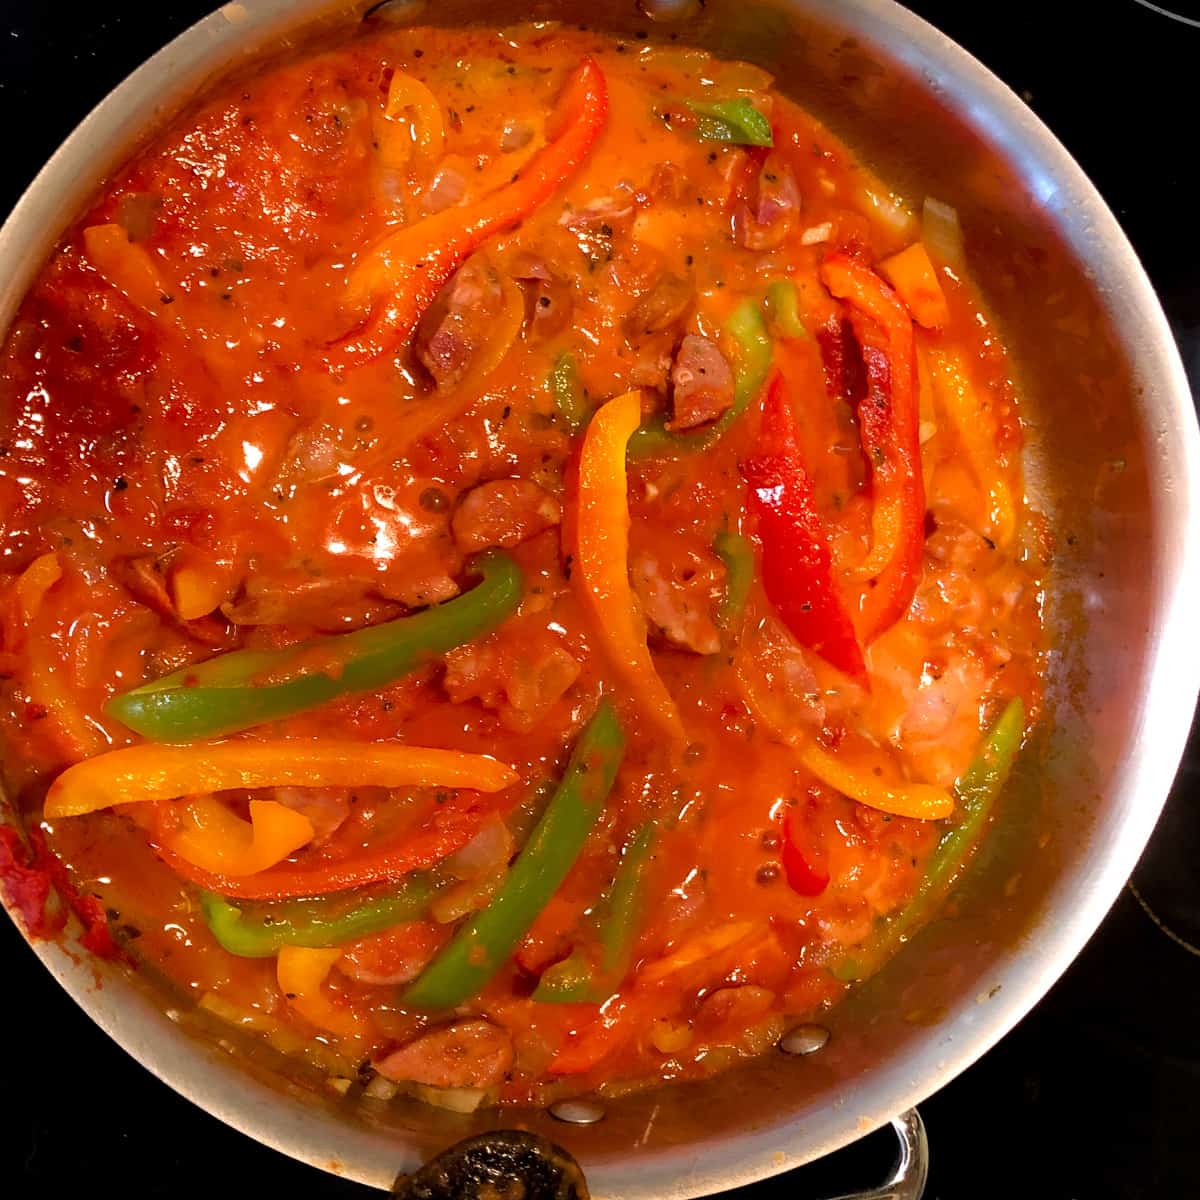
x=804, y=1039
x=577, y=1112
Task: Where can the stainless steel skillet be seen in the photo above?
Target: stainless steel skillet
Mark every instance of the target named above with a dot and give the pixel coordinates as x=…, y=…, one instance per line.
x=1113, y=460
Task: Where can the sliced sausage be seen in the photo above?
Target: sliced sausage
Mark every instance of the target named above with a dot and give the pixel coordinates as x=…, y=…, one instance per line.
x=504, y=512
x=702, y=384
x=460, y=322
x=466, y=1054
x=677, y=588
x=664, y=305
x=769, y=214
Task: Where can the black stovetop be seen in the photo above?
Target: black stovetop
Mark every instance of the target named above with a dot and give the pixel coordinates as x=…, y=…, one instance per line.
x=1097, y=1093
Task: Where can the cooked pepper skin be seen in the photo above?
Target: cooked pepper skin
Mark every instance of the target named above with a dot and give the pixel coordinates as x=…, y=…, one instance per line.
x=235, y=691
x=889, y=426
x=411, y=265
x=976, y=793
x=783, y=309
x=577, y=979
x=568, y=394
x=260, y=930
x=481, y=947
x=806, y=874
x=736, y=121
x=797, y=566
x=737, y=553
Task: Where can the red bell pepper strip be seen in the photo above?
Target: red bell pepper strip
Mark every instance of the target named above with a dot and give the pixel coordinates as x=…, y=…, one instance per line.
x=889, y=427
x=806, y=874
x=450, y=828
x=401, y=274
x=796, y=562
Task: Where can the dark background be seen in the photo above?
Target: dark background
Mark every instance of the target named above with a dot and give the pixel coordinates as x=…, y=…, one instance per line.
x=1095, y=1094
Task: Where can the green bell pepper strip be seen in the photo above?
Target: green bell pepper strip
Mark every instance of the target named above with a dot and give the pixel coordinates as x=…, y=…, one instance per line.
x=243, y=688
x=976, y=792
x=260, y=930
x=737, y=553
x=748, y=330
x=481, y=947
x=569, y=398
x=783, y=309
x=575, y=980
x=736, y=121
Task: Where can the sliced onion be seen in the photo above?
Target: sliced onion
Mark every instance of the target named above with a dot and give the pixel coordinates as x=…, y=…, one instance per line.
x=467, y=897
x=942, y=234
x=516, y=135
x=445, y=191
x=381, y=1088
x=491, y=847
x=459, y=1100
x=891, y=211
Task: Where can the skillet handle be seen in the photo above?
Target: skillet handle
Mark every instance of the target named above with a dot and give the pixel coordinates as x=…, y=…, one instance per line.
x=907, y=1181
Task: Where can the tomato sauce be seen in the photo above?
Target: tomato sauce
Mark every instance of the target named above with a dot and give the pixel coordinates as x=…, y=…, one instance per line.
x=191, y=464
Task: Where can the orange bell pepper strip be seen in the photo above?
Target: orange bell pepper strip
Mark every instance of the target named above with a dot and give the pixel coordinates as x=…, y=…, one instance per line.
x=973, y=418
x=889, y=427
x=156, y=772
x=601, y=559
x=213, y=838
x=409, y=96
x=301, y=973
x=913, y=276
x=450, y=827
x=402, y=273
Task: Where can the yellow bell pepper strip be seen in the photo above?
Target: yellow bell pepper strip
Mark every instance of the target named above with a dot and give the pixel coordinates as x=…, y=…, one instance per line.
x=401, y=274
x=570, y=401
x=601, y=559
x=746, y=331
x=977, y=790
x=209, y=836
x=319, y=922
x=152, y=772
x=922, y=801
x=481, y=947
x=301, y=973
x=243, y=688
x=409, y=98
x=576, y=980
x=34, y=582
x=737, y=553
x=783, y=309
x=919, y=800
x=974, y=423
x=913, y=276
x=736, y=121
x=889, y=427
x=127, y=267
